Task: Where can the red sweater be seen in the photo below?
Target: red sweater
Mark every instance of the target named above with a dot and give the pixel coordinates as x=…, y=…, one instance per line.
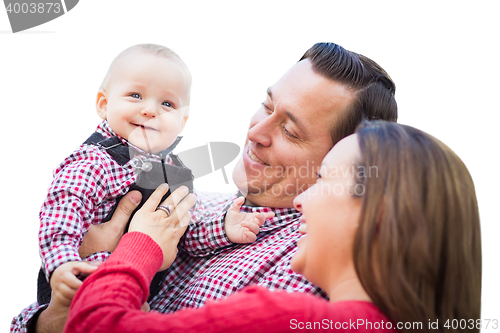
x=110, y=301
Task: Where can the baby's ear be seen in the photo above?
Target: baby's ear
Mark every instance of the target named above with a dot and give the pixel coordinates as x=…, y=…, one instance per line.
x=101, y=104
x=184, y=119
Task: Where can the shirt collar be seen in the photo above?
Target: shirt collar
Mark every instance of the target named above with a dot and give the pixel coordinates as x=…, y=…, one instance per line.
x=105, y=130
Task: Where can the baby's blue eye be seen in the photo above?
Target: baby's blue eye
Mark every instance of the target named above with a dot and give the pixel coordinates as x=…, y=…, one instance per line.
x=167, y=104
x=135, y=95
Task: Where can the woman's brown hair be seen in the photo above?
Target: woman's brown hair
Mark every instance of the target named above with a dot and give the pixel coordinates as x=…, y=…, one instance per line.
x=417, y=250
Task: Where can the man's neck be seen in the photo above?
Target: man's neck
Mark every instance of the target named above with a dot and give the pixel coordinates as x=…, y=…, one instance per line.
x=268, y=201
x=248, y=202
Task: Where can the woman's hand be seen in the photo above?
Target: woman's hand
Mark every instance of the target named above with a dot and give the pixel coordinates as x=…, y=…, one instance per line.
x=166, y=230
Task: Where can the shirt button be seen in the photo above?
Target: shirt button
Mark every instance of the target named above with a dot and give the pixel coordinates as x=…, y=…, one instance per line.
x=146, y=166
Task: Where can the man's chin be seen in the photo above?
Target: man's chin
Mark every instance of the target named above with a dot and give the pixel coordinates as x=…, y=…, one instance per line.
x=249, y=188
x=258, y=191
x=240, y=177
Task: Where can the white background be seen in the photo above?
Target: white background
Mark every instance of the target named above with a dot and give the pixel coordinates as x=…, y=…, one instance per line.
x=443, y=57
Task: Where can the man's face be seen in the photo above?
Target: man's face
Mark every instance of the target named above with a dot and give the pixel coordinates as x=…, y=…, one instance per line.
x=289, y=136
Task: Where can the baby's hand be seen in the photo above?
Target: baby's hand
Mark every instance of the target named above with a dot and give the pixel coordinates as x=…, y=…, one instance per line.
x=64, y=281
x=243, y=227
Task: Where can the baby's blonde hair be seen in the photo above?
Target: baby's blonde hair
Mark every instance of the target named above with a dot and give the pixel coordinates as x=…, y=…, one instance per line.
x=154, y=49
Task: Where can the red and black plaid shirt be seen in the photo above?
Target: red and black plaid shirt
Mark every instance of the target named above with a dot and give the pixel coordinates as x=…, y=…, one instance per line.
x=211, y=267
x=83, y=191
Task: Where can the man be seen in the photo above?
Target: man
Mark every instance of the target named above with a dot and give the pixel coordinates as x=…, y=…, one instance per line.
x=320, y=100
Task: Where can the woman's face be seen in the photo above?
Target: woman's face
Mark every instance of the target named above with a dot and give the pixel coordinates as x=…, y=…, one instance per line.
x=330, y=214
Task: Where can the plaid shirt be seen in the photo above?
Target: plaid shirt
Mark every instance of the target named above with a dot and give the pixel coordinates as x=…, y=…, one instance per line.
x=209, y=266
x=83, y=191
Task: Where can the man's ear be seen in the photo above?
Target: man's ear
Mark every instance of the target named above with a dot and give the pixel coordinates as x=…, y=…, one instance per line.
x=101, y=104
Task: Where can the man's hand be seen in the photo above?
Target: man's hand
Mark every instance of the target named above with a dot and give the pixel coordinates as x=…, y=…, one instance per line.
x=105, y=236
x=243, y=227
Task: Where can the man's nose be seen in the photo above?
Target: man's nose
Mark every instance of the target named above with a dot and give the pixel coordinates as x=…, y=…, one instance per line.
x=261, y=130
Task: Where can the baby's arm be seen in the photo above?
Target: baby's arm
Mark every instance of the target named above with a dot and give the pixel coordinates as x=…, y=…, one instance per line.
x=206, y=234
x=79, y=185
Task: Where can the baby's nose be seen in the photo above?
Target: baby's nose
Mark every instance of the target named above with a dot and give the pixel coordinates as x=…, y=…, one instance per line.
x=149, y=111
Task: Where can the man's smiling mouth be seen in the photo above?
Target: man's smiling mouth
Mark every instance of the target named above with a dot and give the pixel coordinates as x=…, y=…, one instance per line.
x=255, y=158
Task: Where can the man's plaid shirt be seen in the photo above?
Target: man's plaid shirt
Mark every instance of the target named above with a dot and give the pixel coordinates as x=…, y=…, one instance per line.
x=211, y=267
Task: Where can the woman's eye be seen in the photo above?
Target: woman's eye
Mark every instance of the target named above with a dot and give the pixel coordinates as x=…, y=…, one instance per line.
x=318, y=175
x=135, y=95
x=167, y=104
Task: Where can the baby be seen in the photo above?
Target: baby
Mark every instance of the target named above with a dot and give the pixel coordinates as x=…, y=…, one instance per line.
x=144, y=104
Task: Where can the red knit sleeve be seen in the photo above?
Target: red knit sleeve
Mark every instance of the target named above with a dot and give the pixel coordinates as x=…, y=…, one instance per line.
x=110, y=300
x=120, y=285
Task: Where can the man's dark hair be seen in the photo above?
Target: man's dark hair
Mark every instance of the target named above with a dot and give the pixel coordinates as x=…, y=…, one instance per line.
x=372, y=87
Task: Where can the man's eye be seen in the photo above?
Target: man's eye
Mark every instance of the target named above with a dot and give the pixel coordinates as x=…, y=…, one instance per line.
x=288, y=133
x=266, y=107
x=135, y=95
x=167, y=104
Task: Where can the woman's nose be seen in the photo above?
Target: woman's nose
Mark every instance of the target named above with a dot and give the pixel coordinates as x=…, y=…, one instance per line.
x=297, y=202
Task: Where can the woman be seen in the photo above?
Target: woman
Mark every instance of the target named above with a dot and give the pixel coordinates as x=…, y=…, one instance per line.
x=393, y=237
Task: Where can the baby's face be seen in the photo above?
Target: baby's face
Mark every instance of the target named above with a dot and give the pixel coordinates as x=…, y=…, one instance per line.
x=145, y=101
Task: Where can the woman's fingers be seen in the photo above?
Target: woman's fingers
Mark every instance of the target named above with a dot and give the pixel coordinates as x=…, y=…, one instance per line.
x=174, y=198
x=182, y=210
x=180, y=214
x=155, y=198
